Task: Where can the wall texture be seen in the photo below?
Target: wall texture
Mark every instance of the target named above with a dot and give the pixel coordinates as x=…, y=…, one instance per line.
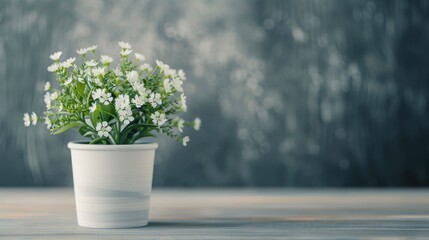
x=291, y=93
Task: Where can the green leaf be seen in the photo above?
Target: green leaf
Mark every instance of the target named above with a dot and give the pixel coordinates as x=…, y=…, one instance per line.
x=94, y=116
x=87, y=134
x=97, y=140
x=67, y=127
x=138, y=127
x=107, y=112
x=86, y=131
x=139, y=136
x=80, y=88
x=132, y=126
x=83, y=130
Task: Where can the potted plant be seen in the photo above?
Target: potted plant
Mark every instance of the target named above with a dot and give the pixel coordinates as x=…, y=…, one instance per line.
x=114, y=108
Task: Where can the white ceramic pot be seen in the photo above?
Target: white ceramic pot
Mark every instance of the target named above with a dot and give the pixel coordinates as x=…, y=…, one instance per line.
x=112, y=183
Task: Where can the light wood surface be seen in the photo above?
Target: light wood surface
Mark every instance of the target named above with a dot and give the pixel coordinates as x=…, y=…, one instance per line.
x=46, y=213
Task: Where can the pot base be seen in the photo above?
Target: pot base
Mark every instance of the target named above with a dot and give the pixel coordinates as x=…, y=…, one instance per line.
x=111, y=225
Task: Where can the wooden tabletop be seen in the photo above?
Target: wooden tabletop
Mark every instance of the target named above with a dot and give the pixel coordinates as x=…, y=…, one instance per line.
x=46, y=213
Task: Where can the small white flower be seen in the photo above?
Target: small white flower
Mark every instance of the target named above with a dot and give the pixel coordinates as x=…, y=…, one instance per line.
x=71, y=60
x=177, y=84
x=93, y=107
x=92, y=48
x=68, y=81
x=91, y=63
x=98, y=71
x=139, y=87
x=185, y=141
x=48, y=123
x=158, y=118
x=159, y=63
x=97, y=93
x=126, y=115
x=104, y=59
x=155, y=99
x=183, y=105
x=181, y=74
x=82, y=51
x=103, y=129
x=164, y=67
x=54, y=67
x=47, y=86
x=132, y=76
x=197, y=123
x=118, y=72
x=124, y=45
x=48, y=101
x=54, y=95
x=34, y=118
x=55, y=56
x=65, y=65
x=139, y=100
x=125, y=52
x=49, y=97
x=146, y=67
x=139, y=57
x=169, y=72
x=68, y=63
x=102, y=96
x=27, y=119
x=122, y=102
x=167, y=85
x=106, y=98
x=180, y=123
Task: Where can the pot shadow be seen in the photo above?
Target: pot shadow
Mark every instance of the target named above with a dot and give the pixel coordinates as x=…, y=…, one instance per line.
x=194, y=224
x=219, y=223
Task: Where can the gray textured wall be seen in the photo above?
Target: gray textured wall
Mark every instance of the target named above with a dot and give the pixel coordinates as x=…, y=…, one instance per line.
x=291, y=93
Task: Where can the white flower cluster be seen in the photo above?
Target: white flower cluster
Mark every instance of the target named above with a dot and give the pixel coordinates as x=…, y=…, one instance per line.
x=103, y=99
x=158, y=118
x=106, y=60
x=155, y=99
x=133, y=77
x=103, y=129
x=123, y=108
x=68, y=63
x=84, y=51
x=49, y=97
x=57, y=65
x=174, y=79
x=48, y=123
x=28, y=120
x=103, y=96
x=183, y=105
x=139, y=100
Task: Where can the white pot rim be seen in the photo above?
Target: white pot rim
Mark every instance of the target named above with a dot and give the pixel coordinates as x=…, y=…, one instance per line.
x=83, y=145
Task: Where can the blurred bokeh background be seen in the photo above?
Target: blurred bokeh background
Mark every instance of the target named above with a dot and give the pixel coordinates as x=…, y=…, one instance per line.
x=291, y=93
